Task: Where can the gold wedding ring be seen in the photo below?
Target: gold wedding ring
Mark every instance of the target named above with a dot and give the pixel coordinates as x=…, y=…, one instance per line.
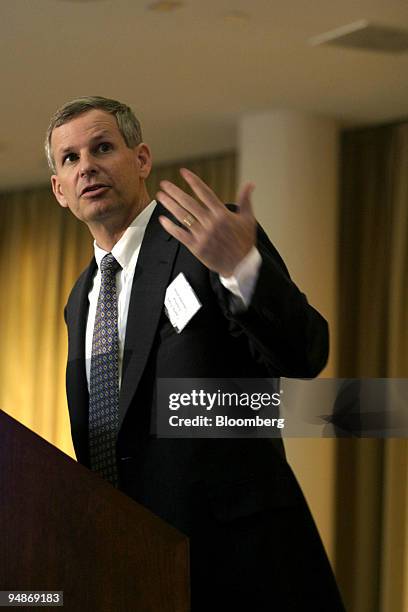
x=189, y=220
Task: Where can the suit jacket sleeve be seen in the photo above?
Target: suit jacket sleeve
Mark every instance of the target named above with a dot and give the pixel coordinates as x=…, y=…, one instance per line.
x=284, y=331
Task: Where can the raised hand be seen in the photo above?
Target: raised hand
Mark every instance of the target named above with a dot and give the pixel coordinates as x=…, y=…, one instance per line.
x=219, y=238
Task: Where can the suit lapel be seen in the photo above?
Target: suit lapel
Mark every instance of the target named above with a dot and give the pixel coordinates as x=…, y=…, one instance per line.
x=152, y=274
x=77, y=388
x=79, y=310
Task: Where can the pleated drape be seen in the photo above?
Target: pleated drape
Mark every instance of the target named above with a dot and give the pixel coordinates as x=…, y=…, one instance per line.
x=372, y=504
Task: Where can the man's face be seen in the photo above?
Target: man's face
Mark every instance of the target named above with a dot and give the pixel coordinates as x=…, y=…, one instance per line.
x=98, y=177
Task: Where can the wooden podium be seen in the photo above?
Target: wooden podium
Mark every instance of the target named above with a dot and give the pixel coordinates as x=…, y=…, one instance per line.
x=62, y=528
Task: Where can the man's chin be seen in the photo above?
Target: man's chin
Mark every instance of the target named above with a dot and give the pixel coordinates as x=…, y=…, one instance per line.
x=98, y=209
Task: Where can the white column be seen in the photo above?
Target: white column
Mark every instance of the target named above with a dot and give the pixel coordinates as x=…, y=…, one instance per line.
x=292, y=158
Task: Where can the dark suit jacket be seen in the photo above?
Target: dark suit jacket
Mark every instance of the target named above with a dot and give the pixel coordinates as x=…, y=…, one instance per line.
x=251, y=534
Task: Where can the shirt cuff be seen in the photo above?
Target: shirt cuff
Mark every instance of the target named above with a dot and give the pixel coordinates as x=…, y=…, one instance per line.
x=243, y=280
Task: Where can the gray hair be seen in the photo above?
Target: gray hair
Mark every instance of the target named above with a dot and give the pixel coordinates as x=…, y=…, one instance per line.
x=128, y=124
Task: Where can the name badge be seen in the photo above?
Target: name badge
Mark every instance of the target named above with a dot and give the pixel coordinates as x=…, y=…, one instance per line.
x=181, y=303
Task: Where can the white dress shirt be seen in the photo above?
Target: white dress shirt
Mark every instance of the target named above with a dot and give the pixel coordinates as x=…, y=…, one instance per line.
x=126, y=252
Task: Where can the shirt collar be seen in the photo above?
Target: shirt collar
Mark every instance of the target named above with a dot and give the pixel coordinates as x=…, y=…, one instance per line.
x=131, y=240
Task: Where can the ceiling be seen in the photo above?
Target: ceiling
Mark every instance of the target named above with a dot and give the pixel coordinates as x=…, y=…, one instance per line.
x=190, y=73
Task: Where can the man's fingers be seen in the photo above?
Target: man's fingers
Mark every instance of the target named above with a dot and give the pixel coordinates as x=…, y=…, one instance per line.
x=244, y=198
x=177, y=232
x=183, y=200
x=182, y=215
x=201, y=189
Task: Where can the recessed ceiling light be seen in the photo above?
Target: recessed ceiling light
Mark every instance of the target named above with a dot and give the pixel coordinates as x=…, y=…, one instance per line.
x=237, y=17
x=165, y=6
x=83, y=1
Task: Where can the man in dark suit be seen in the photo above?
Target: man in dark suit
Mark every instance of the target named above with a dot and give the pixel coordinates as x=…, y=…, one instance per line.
x=253, y=543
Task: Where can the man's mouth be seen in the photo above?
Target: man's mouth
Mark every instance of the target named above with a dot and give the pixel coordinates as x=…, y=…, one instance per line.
x=92, y=191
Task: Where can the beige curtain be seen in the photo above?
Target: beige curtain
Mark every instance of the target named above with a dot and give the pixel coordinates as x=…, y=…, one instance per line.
x=372, y=535
x=394, y=568
x=43, y=250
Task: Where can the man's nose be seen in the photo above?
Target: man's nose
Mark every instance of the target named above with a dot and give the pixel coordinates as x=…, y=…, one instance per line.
x=87, y=164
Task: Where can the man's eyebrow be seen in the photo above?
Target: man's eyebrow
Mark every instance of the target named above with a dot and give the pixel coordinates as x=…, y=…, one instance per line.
x=101, y=134
x=95, y=138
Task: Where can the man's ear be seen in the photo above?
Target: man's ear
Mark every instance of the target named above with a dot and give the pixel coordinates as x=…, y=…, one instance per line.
x=144, y=159
x=56, y=187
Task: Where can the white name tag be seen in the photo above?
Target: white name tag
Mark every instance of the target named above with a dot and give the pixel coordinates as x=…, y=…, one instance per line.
x=181, y=302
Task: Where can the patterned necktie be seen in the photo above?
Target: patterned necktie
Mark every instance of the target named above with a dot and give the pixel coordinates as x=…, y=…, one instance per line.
x=104, y=377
